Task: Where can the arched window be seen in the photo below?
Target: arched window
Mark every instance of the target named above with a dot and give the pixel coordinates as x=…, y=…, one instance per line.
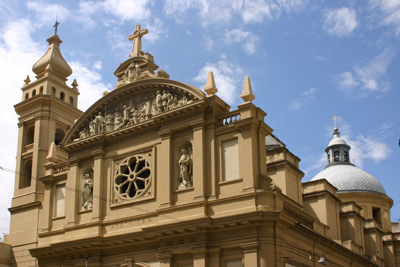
x=30, y=134
x=62, y=96
x=59, y=136
x=41, y=90
x=26, y=96
x=53, y=91
x=71, y=100
x=34, y=92
x=26, y=174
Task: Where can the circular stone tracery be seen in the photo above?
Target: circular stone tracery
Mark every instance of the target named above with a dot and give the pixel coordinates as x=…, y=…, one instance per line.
x=133, y=177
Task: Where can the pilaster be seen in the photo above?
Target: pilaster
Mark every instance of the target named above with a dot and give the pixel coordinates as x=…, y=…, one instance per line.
x=165, y=259
x=71, y=197
x=98, y=177
x=199, y=257
x=44, y=222
x=163, y=160
x=250, y=256
x=198, y=161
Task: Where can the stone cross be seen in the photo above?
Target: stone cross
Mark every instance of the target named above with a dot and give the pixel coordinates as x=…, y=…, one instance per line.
x=136, y=37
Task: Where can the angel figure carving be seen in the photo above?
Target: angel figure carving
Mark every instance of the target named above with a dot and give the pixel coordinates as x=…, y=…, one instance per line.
x=185, y=168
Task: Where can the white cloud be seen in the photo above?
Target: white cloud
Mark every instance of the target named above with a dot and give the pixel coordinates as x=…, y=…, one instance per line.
x=295, y=105
x=97, y=65
x=305, y=99
x=322, y=58
x=366, y=149
x=18, y=53
x=223, y=11
x=48, y=13
x=341, y=21
x=137, y=10
x=247, y=39
x=390, y=10
x=156, y=29
x=86, y=10
x=346, y=80
x=90, y=83
x=371, y=76
x=228, y=76
x=310, y=92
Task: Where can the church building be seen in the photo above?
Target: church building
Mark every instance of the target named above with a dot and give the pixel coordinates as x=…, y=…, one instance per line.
x=159, y=173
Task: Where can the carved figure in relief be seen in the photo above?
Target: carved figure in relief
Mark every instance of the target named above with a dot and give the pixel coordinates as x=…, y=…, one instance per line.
x=141, y=108
x=126, y=116
x=87, y=194
x=117, y=120
x=91, y=128
x=185, y=167
x=109, y=122
x=158, y=102
x=84, y=133
x=99, y=123
x=164, y=100
x=131, y=73
x=146, y=109
x=169, y=101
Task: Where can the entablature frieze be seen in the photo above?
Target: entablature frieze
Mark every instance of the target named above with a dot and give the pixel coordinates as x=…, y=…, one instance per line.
x=43, y=104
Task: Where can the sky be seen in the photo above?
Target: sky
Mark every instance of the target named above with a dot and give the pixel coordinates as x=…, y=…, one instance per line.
x=304, y=58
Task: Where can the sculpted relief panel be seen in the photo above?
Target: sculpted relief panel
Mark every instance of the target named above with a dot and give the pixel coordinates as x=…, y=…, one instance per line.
x=134, y=110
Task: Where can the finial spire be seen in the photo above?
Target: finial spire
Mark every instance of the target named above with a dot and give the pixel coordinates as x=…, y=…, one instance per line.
x=136, y=37
x=210, y=88
x=247, y=93
x=56, y=25
x=335, y=118
x=27, y=80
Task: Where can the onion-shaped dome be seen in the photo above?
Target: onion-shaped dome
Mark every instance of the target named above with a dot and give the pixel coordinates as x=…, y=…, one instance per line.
x=52, y=60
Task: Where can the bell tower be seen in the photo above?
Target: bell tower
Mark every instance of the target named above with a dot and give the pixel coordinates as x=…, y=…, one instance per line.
x=47, y=110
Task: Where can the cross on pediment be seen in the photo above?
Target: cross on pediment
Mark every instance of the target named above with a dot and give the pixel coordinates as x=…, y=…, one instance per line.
x=136, y=37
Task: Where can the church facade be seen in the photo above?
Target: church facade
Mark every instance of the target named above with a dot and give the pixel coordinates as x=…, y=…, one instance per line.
x=160, y=173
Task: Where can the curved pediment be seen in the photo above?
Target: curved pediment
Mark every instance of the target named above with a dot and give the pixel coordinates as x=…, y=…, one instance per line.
x=130, y=105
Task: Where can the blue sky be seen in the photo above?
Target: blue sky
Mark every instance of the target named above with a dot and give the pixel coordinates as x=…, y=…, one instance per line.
x=304, y=58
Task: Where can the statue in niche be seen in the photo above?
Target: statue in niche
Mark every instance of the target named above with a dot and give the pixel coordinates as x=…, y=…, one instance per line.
x=87, y=194
x=185, y=168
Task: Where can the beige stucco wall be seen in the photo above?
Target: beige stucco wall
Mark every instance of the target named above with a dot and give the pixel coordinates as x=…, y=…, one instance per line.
x=5, y=255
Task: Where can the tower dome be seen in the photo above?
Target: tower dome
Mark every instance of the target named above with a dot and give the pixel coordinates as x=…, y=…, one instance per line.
x=342, y=174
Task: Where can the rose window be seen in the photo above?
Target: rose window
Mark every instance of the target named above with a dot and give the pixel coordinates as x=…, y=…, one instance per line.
x=133, y=177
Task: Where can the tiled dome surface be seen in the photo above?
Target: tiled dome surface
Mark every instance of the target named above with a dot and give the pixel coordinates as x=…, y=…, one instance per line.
x=347, y=178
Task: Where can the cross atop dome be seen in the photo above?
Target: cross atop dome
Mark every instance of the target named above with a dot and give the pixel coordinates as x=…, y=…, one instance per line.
x=136, y=37
x=335, y=118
